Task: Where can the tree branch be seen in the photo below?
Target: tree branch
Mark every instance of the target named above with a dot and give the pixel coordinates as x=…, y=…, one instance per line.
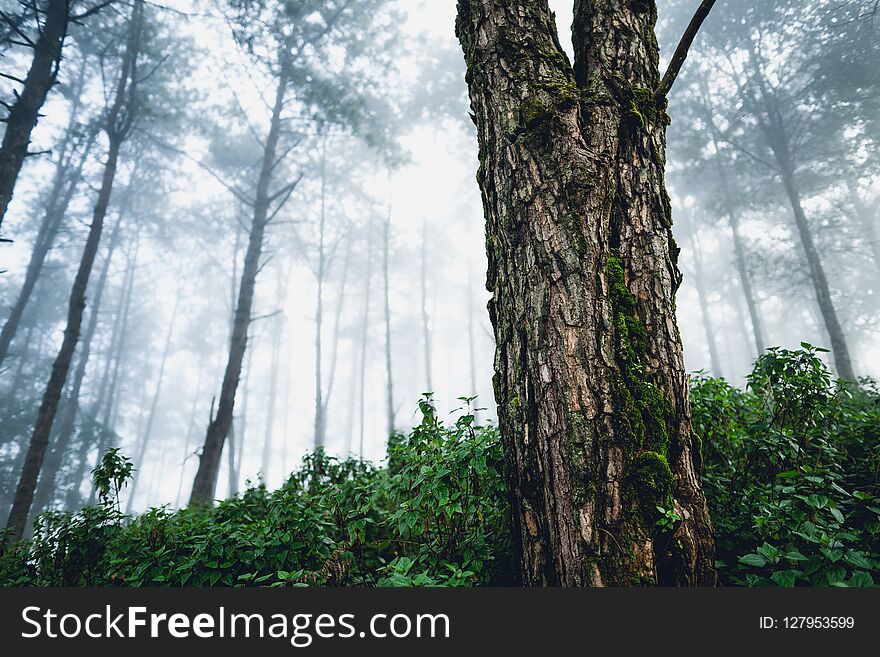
x=681, y=52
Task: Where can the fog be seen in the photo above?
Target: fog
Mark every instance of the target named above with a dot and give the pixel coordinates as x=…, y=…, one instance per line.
x=373, y=192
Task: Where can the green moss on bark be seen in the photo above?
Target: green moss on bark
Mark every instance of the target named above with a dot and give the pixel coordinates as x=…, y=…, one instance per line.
x=642, y=410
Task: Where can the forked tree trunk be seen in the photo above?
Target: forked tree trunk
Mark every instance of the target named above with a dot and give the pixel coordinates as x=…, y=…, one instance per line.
x=590, y=383
x=25, y=112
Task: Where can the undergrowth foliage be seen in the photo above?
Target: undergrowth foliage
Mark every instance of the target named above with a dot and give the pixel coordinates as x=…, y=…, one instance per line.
x=790, y=469
x=791, y=473
x=437, y=515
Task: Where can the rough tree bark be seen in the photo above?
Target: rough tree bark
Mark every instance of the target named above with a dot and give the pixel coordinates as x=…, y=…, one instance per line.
x=118, y=125
x=590, y=383
x=209, y=461
x=25, y=112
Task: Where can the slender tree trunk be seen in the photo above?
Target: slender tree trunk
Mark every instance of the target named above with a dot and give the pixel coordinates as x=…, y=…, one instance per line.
x=319, y=307
x=867, y=219
x=243, y=420
x=365, y=328
x=25, y=112
x=775, y=131
x=49, y=474
x=337, y=323
x=739, y=251
x=472, y=356
x=63, y=187
x=209, y=462
x=189, y=434
x=702, y=297
x=108, y=418
x=426, y=323
x=839, y=346
x=590, y=382
x=386, y=284
x=273, y=386
x=144, y=442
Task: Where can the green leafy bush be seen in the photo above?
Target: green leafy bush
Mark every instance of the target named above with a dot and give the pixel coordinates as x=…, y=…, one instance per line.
x=437, y=516
x=791, y=473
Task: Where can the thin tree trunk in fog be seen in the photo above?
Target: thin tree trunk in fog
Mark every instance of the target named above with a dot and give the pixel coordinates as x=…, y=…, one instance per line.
x=108, y=419
x=777, y=136
x=699, y=283
x=99, y=403
x=242, y=423
x=64, y=185
x=426, y=328
x=839, y=346
x=25, y=112
x=190, y=429
x=337, y=323
x=867, y=219
x=590, y=382
x=209, y=461
x=365, y=326
x=144, y=441
x=319, y=304
x=49, y=475
x=273, y=384
x=739, y=251
x=231, y=470
x=472, y=356
x=389, y=371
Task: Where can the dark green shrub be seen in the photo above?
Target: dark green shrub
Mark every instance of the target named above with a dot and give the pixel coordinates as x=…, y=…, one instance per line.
x=790, y=472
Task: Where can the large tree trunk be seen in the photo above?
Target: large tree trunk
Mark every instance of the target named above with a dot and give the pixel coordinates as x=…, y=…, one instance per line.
x=590, y=383
x=25, y=112
x=209, y=461
x=49, y=475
